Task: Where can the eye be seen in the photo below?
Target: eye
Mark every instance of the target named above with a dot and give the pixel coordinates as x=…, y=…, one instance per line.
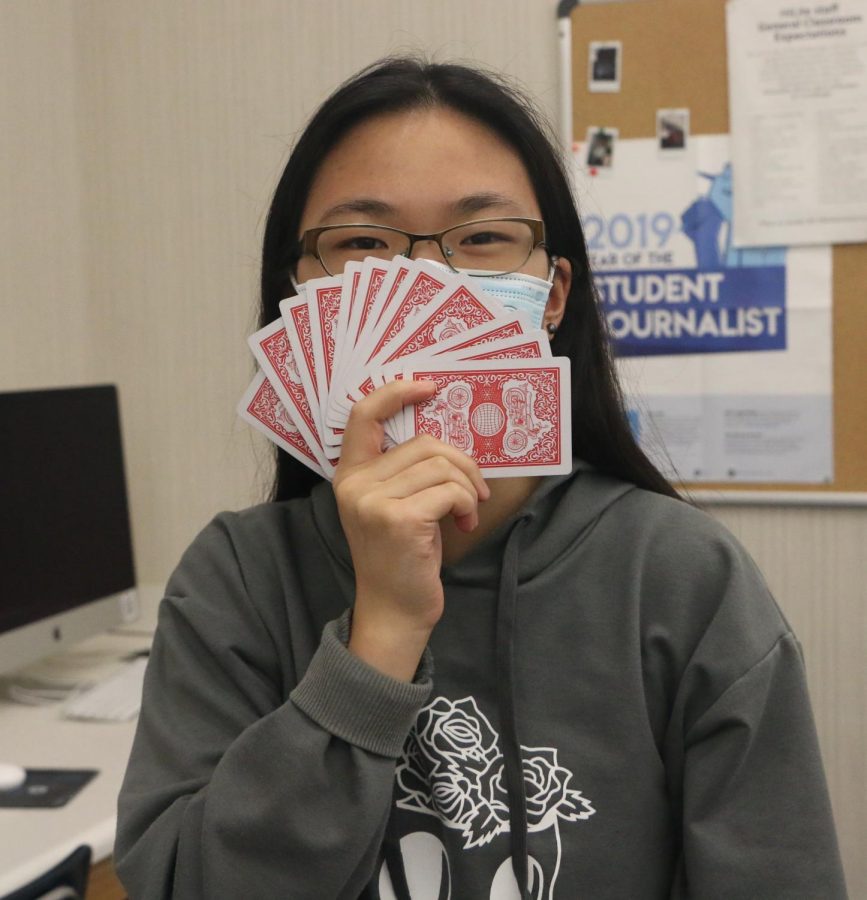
x=484, y=237
x=360, y=242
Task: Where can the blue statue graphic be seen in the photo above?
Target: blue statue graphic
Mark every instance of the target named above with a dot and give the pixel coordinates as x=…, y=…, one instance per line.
x=707, y=223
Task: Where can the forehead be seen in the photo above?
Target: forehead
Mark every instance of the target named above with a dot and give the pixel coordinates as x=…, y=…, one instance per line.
x=420, y=163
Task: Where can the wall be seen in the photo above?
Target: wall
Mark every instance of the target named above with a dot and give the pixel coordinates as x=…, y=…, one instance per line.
x=188, y=111
x=141, y=144
x=45, y=335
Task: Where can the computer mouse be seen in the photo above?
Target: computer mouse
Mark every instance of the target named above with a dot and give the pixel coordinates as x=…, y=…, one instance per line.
x=11, y=776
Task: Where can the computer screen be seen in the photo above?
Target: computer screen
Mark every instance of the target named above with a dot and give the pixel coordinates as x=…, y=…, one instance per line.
x=66, y=559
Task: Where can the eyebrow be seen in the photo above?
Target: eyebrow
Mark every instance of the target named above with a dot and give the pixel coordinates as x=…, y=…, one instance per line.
x=474, y=203
x=370, y=206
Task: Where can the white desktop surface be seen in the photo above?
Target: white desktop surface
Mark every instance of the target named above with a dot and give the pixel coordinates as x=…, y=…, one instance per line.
x=33, y=840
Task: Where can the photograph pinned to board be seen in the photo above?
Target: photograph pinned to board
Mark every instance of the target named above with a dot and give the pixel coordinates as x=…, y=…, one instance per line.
x=601, y=144
x=672, y=131
x=604, y=65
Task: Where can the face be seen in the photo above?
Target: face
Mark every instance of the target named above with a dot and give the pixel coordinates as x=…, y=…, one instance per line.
x=423, y=171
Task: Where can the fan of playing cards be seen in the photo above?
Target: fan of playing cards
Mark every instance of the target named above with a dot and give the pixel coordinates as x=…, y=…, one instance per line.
x=502, y=398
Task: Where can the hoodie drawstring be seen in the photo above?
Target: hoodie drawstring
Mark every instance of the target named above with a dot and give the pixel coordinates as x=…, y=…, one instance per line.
x=505, y=655
x=507, y=602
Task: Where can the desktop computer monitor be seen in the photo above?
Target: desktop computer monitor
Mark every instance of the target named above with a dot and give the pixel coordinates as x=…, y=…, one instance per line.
x=66, y=561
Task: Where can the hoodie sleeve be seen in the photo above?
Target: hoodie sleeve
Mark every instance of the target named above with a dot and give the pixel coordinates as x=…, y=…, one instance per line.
x=741, y=750
x=757, y=819
x=233, y=789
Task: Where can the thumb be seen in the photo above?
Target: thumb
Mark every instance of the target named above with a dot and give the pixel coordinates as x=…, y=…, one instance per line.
x=362, y=440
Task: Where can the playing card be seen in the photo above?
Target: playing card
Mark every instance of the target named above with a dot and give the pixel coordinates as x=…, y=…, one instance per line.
x=456, y=309
x=490, y=332
x=349, y=291
x=273, y=352
x=370, y=279
x=394, y=311
x=496, y=330
x=387, y=279
x=300, y=320
x=323, y=307
x=501, y=397
x=395, y=272
x=534, y=345
x=421, y=285
x=513, y=418
x=324, y=297
x=262, y=408
x=296, y=319
x=351, y=281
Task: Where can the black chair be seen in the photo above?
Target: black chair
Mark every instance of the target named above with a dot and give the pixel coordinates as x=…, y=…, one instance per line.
x=66, y=881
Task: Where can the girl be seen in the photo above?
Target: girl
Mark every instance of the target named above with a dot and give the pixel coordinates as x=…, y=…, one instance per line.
x=411, y=683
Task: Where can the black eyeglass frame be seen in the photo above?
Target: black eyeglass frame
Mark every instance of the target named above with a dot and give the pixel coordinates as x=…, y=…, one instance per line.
x=308, y=244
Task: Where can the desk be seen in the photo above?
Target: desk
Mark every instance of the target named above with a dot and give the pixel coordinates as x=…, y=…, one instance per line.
x=33, y=840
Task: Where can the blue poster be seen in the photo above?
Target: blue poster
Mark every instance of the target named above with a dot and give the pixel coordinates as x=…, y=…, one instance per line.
x=724, y=353
x=728, y=300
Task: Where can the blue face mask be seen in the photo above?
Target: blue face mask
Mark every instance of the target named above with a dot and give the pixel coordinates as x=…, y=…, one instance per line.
x=524, y=293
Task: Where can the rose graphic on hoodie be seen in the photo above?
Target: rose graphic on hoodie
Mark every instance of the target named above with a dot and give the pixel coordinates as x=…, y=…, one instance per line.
x=547, y=790
x=452, y=768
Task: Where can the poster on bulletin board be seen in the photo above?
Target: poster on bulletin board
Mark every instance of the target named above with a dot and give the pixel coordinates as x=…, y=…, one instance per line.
x=798, y=100
x=725, y=353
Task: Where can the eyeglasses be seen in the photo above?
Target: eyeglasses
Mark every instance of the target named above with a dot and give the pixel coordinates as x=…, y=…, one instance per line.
x=489, y=246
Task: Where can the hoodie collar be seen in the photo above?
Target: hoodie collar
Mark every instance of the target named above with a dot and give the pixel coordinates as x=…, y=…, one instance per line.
x=558, y=515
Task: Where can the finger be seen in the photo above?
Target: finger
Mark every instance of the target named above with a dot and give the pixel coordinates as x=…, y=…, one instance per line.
x=423, y=475
x=362, y=440
x=467, y=523
x=425, y=447
x=441, y=500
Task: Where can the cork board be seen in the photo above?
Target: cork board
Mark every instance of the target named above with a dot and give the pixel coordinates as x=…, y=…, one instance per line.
x=674, y=55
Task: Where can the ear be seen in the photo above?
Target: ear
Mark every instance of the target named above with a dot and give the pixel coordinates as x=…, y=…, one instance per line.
x=556, y=305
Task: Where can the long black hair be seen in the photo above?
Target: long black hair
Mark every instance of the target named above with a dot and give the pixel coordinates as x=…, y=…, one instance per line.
x=600, y=432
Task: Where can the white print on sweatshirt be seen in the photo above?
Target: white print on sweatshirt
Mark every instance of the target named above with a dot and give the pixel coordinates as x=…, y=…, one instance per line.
x=452, y=768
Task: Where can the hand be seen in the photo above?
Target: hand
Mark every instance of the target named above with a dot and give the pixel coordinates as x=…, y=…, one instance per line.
x=390, y=505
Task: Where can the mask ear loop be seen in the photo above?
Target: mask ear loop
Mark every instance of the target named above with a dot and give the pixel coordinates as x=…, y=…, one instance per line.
x=551, y=327
x=552, y=268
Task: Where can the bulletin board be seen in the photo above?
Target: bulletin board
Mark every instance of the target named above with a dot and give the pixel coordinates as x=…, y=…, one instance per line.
x=674, y=56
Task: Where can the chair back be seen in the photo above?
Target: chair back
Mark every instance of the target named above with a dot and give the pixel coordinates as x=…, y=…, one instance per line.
x=65, y=881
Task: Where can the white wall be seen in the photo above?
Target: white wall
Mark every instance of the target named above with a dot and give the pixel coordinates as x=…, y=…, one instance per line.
x=44, y=328
x=141, y=142
x=187, y=113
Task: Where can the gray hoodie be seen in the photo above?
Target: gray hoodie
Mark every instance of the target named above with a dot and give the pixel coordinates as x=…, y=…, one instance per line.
x=612, y=706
